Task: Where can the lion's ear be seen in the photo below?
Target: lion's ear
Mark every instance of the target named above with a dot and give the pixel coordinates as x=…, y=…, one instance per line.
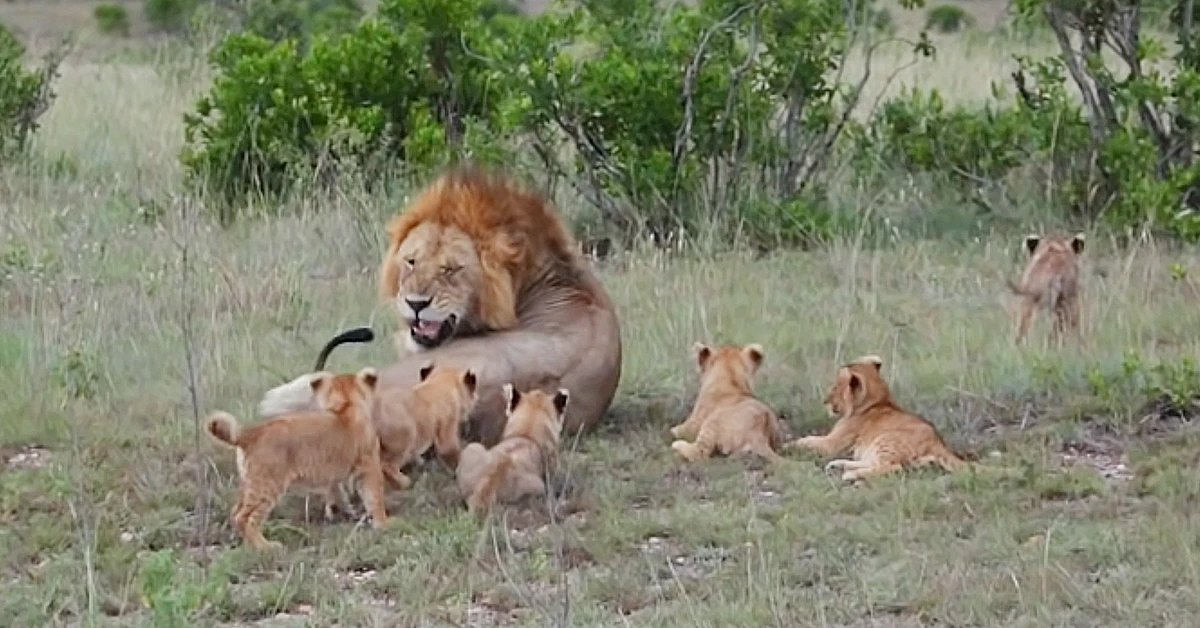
x=470, y=380
x=857, y=389
x=320, y=380
x=1031, y=242
x=703, y=353
x=754, y=353
x=512, y=397
x=1077, y=243
x=368, y=378
x=872, y=360
x=425, y=371
x=560, y=401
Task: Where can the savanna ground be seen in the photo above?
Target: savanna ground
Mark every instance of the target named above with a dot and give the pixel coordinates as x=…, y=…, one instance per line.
x=121, y=301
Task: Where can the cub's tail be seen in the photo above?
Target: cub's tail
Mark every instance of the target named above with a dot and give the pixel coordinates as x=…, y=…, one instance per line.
x=944, y=458
x=484, y=495
x=224, y=427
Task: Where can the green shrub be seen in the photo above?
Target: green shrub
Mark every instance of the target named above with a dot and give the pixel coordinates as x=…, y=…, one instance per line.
x=170, y=16
x=112, y=19
x=409, y=88
x=24, y=94
x=300, y=19
x=948, y=18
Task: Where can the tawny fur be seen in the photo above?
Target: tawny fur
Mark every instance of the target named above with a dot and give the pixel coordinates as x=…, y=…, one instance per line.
x=432, y=416
x=881, y=436
x=317, y=450
x=516, y=467
x=486, y=277
x=1050, y=282
x=727, y=418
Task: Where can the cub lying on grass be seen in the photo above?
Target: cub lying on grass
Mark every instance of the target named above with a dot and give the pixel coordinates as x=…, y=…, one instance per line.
x=515, y=467
x=883, y=437
x=315, y=449
x=430, y=415
x=727, y=417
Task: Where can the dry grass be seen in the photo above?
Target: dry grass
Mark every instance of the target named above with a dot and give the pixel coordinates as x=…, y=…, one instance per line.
x=102, y=526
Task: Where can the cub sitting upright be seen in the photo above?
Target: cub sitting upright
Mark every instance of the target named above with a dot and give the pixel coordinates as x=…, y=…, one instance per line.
x=727, y=417
x=430, y=415
x=515, y=467
x=882, y=437
x=314, y=449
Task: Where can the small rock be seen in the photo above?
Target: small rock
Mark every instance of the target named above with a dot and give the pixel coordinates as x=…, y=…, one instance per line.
x=126, y=537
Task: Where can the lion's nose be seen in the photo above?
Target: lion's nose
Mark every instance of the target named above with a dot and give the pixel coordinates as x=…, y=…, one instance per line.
x=417, y=303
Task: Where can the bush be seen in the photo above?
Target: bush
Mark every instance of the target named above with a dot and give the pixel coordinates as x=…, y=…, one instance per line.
x=170, y=16
x=300, y=19
x=670, y=114
x=112, y=19
x=411, y=87
x=948, y=18
x=24, y=94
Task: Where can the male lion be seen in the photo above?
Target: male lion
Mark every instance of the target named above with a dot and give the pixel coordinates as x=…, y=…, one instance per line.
x=427, y=417
x=515, y=468
x=486, y=278
x=882, y=437
x=1050, y=280
x=727, y=417
x=315, y=449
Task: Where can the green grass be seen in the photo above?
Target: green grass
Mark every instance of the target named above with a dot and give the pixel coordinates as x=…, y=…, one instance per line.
x=122, y=519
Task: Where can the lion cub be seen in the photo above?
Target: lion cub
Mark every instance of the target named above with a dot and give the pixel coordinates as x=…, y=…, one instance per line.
x=1051, y=281
x=514, y=468
x=430, y=415
x=727, y=417
x=883, y=437
x=314, y=449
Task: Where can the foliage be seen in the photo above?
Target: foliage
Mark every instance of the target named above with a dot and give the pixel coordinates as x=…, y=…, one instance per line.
x=300, y=19
x=170, y=16
x=412, y=86
x=112, y=19
x=25, y=94
x=948, y=18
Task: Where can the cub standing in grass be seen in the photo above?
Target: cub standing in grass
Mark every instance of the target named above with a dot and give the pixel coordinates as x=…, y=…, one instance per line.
x=727, y=417
x=1051, y=281
x=516, y=466
x=429, y=415
x=883, y=438
x=315, y=449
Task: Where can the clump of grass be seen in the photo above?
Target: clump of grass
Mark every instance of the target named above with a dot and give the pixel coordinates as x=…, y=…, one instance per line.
x=948, y=18
x=112, y=19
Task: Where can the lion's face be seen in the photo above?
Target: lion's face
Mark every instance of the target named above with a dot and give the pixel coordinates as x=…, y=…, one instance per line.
x=439, y=277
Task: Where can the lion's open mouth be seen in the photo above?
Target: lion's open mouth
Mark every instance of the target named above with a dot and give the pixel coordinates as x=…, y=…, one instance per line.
x=430, y=334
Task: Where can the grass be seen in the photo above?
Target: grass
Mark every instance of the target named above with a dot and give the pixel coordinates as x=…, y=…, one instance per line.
x=113, y=512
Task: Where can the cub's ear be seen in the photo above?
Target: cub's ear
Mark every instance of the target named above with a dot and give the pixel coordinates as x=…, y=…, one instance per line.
x=512, y=398
x=857, y=390
x=1031, y=242
x=873, y=360
x=1077, y=243
x=470, y=380
x=425, y=371
x=703, y=353
x=368, y=378
x=560, y=400
x=320, y=380
x=754, y=353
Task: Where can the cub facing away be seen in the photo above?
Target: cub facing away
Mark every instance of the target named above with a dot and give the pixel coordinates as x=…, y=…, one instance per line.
x=727, y=417
x=430, y=415
x=515, y=468
x=882, y=437
x=314, y=449
x=1051, y=282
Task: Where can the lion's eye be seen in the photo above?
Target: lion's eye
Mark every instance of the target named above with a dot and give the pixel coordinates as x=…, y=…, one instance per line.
x=449, y=270
x=411, y=262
